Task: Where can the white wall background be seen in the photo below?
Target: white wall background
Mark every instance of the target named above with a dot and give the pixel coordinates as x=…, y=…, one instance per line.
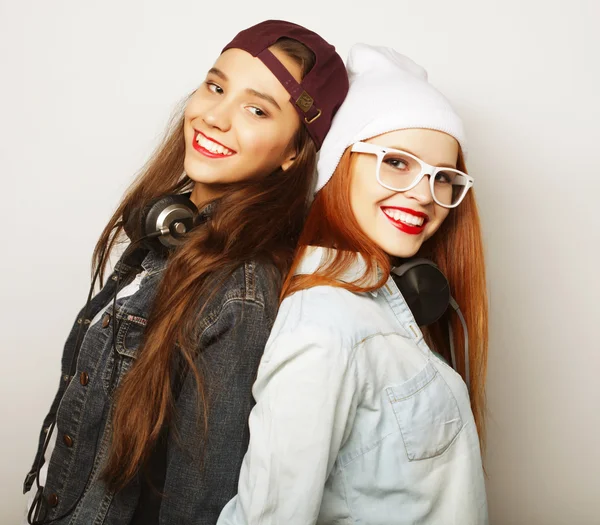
x=87, y=87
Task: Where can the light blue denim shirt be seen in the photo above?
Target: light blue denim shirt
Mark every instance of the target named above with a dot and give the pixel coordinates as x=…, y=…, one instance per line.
x=356, y=420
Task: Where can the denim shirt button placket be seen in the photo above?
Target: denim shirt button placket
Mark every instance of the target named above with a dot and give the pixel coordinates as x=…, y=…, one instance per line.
x=84, y=378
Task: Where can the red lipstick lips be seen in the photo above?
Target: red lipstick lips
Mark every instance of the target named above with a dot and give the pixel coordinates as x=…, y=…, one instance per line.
x=206, y=152
x=402, y=226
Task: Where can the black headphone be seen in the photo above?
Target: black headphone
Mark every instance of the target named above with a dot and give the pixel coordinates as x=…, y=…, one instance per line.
x=166, y=220
x=427, y=293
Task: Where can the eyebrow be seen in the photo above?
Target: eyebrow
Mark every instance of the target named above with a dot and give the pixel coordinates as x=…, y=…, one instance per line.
x=264, y=96
x=415, y=155
x=250, y=91
x=218, y=72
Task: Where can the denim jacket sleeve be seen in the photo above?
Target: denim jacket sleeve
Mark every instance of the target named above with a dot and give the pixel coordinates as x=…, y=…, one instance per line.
x=123, y=273
x=203, y=468
x=306, y=395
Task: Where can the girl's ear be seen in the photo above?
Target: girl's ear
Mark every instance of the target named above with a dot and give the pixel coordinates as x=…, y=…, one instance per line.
x=288, y=161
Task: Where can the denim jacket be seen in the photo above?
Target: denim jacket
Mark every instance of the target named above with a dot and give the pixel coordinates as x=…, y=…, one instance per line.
x=202, y=472
x=356, y=420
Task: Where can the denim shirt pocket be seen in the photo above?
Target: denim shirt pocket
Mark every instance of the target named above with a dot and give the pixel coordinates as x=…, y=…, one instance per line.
x=427, y=413
x=123, y=350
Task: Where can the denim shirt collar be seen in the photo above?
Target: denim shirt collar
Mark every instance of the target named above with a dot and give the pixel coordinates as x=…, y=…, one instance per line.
x=316, y=256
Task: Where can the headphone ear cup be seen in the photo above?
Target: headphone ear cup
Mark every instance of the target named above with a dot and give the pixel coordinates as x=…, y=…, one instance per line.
x=425, y=289
x=152, y=211
x=153, y=219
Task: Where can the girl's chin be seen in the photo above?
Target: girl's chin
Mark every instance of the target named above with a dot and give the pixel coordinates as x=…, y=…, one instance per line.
x=404, y=251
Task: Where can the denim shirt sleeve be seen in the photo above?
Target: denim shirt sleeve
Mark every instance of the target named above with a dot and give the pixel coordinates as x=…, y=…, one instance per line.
x=306, y=395
x=230, y=350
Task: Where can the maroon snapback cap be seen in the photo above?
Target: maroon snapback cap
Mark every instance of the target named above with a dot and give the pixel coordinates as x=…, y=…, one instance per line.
x=321, y=92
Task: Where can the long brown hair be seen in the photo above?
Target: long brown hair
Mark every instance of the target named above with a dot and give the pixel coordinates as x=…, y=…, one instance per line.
x=456, y=248
x=253, y=220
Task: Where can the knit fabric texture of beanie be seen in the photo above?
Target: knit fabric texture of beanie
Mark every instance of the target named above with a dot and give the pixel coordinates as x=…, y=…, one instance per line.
x=388, y=92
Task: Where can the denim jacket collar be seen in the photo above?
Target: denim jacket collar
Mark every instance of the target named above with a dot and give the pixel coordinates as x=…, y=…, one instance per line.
x=154, y=262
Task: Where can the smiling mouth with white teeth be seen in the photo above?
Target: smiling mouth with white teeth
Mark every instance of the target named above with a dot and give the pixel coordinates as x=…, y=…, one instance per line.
x=201, y=142
x=404, y=217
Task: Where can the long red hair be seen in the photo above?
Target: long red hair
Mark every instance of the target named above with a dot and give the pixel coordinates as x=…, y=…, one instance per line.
x=456, y=248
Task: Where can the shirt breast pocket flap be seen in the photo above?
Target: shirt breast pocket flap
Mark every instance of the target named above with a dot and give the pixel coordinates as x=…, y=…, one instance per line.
x=427, y=413
x=129, y=335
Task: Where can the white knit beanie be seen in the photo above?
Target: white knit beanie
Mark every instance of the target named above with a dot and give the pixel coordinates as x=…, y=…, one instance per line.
x=388, y=92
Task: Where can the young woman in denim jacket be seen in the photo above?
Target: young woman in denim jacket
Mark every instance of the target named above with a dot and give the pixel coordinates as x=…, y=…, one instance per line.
x=356, y=419
x=156, y=379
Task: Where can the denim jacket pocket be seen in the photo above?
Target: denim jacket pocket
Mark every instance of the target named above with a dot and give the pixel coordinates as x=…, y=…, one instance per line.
x=130, y=333
x=427, y=413
x=123, y=350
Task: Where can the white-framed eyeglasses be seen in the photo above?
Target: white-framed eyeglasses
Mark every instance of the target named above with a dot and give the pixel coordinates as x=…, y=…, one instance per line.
x=401, y=171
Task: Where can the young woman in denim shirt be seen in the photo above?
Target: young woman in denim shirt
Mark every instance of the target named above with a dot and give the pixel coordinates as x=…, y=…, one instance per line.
x=149, y=424
x=357, y=420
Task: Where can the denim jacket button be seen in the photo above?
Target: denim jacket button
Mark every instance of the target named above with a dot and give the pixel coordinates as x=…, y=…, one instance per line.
x=84, y=378
x=68, y=440
x=105, y=320
x=53, y=500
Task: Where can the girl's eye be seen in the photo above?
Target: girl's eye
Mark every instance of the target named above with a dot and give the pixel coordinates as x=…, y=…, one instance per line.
x=215, y=88
x=257, y=111
x=443, y=177
x=399, y=164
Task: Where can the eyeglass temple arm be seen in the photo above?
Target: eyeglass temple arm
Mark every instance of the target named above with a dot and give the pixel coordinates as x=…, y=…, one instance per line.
x=362, y=147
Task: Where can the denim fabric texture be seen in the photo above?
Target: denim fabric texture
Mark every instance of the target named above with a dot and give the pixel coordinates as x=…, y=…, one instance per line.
x=356, y=420
x=202, y=471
